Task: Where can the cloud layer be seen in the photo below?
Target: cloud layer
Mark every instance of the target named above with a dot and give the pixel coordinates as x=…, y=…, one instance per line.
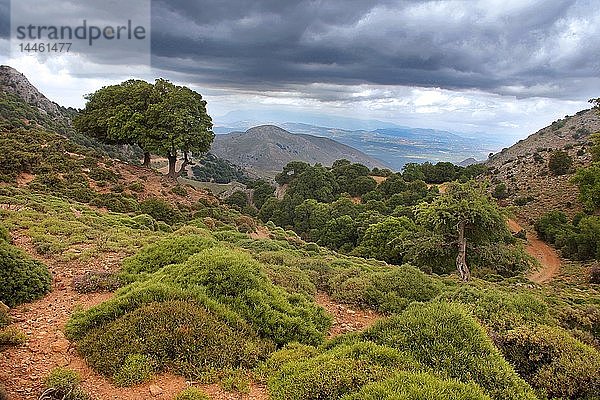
x=506, y=66
x=514, y=47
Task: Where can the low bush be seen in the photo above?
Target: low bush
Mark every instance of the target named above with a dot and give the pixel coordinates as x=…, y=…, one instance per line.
x=388, y=291
x=115, y=202
x=181, y=336
x=63, y=384
x=22, y=279
x=521, y=201
x=170, y=250
x=191, y=393
x=97, y=281
x=236, y=380
x=137, y=187
x=449, y=341
x=215, y=311
x=160, y=210
x=337, y=372
x=501, y=310
x=560, y=163
x=291, y=278
x=11, y=336
x=418, y=386
x=553, y=362
x=4, y=235
x=136, y=369
x=179, y=190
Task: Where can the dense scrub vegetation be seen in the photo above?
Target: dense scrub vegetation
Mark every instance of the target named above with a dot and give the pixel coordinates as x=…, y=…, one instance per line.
x=210, y=168
x=390, y=221
x=16, y=115
x=578, y=239
x=22, y=279
x=448, y=341
x=208, y=283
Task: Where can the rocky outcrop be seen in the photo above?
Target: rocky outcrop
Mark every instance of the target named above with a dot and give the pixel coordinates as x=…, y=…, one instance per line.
x=12, y=81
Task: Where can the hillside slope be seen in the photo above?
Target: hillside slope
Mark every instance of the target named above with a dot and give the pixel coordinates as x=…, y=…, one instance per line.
x=523, y=167
x=268, y=149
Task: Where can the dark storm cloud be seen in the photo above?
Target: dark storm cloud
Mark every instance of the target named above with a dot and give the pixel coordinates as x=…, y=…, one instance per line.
x=547, y=48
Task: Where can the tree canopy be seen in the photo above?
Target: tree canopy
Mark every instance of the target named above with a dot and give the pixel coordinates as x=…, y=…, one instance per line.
x=464, y=212
x=161, y=118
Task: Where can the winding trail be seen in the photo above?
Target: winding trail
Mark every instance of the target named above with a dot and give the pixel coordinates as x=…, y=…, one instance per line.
x=546, y=255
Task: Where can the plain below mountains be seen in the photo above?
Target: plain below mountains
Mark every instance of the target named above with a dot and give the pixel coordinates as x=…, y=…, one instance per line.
x=266, y=149
x=397, y=145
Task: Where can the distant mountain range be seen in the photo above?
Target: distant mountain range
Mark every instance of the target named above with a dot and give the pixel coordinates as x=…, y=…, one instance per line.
x=395, y=146
x=266, y=149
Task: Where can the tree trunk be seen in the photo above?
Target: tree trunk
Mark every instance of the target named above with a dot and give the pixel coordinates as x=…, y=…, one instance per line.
x=186, y=162
x=146, y=159
x=172, y=161
x=461, y=258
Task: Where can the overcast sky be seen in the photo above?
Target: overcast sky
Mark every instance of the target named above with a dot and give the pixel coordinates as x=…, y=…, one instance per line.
x=502, y=66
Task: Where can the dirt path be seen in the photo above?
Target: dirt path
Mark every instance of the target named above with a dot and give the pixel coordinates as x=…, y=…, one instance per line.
x=24, y=368
x=345, y=319
x=546, y=255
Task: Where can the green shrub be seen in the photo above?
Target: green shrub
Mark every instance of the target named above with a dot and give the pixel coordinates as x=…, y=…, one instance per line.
x=418, y=386
x=115, y=202
x=4, y=234
x=388, y=291
x=501, y=310
x=170, y=250
x=137, y=187
x=179, y=190
x=293, y=279
x=500, y=191
x=234, y=279
x=63, y=379
x=136, y=369
x=12, y=336
x=336, y=372
x=4, y=316
x=160, y=210
x=97, y=281
x=446, y=338
x=521, y=201
x=144, y=221
x=560, y=163
x=191, y=393
x=291, y=352
x=22, y=279
x=236, y=380
x=63, y=383
x=553, y=362
x=237, y=199
x=178, y=335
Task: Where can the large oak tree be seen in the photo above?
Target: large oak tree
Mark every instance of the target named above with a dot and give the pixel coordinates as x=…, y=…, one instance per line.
x=162, y=118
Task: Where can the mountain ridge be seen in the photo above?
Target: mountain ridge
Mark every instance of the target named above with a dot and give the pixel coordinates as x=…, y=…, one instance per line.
x=268, y=148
